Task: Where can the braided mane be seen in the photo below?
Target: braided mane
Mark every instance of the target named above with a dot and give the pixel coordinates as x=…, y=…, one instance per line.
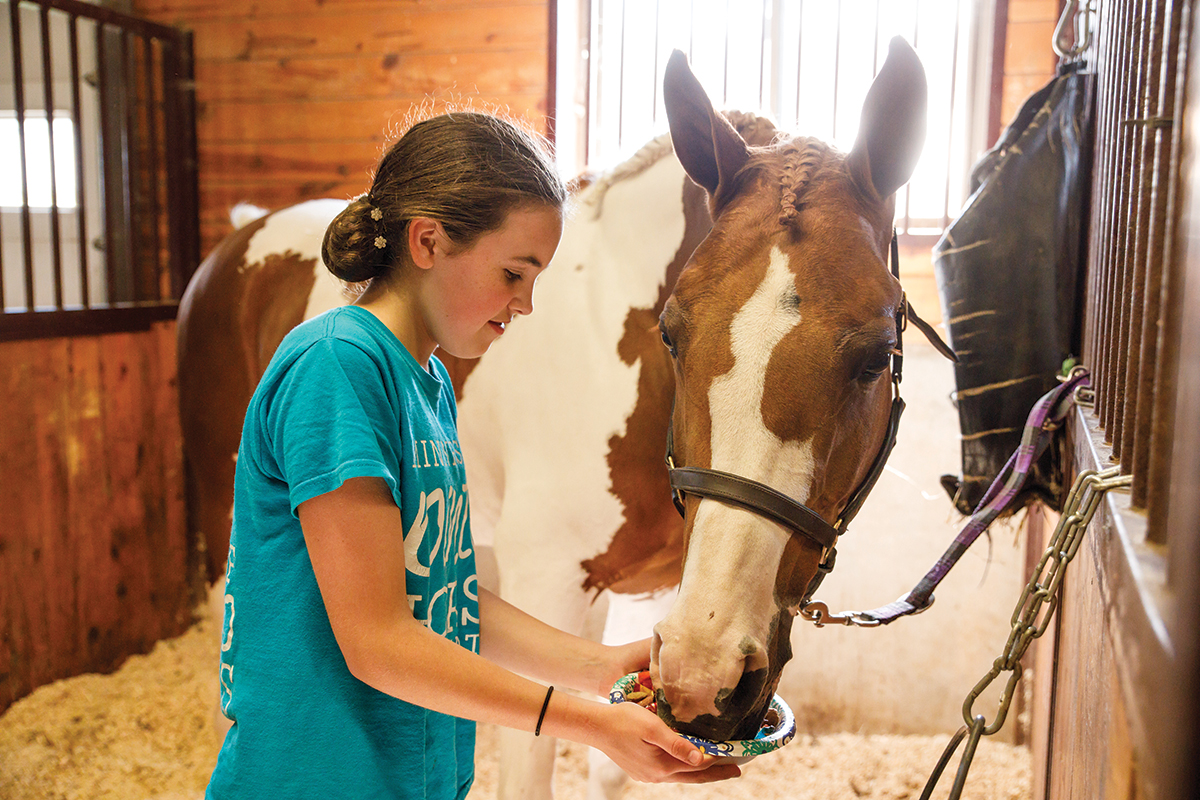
x=802, y=158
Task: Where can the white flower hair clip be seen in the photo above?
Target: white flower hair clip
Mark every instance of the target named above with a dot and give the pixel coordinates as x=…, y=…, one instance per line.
x=380, y=242
x=376, y=214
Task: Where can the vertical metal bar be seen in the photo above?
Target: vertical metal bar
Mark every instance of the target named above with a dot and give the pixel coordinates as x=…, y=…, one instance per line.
x=153, y=173
x=762, y=54
x=1141, y=187
x=799, y=54
x=1112, y=303
x=953, y=97
x=133, y=252
x=14, y=14
x=108, y=168
x=621, y=80
x=837, y=65
x=1102, y=195
x=77, y=116
x=725, y=73
x=1158, y=471
x=183, y=200
x=48, y=99
x=657, y=79
x=908, y=185
x=591, y=12
x=875, y=43
x=1087, y=343
x=996, y=85
x=1140, y=379
x=1106, y=337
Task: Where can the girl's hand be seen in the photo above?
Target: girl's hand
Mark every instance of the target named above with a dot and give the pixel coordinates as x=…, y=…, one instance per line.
x=638, y=742
x=622, y=660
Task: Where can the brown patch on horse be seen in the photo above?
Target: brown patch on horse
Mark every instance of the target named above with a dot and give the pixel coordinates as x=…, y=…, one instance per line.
x=459, y=369
x=646, y=552
x=275, y=296
x=215, y=384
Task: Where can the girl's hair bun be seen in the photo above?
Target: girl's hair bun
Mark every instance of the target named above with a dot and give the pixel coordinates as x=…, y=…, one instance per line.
x=357, y=247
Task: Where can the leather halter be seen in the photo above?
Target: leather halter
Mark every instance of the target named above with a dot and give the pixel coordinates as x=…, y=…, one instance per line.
x=778, y=507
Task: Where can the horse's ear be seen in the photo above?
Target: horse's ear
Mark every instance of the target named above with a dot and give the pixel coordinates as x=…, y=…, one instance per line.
x=709, y=148
x=892, y=130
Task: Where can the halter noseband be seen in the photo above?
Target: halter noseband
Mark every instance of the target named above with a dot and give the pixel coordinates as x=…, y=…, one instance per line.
x=778, y=507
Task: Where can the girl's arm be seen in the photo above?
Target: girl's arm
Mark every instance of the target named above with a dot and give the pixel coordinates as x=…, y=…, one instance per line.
x=353, y=534
x=527, y=645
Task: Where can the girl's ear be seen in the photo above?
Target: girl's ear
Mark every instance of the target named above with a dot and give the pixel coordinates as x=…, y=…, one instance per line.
x=423, y=241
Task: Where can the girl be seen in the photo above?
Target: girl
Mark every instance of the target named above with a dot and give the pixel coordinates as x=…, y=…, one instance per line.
x=358, y=648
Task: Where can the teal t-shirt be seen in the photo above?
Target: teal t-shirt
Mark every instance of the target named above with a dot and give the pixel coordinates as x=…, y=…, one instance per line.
x=342, y=398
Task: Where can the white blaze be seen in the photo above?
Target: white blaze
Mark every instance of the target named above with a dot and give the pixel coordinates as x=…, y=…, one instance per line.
x=727, y=595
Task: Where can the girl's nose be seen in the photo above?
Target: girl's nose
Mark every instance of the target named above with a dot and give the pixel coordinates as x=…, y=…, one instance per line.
x=522, y=303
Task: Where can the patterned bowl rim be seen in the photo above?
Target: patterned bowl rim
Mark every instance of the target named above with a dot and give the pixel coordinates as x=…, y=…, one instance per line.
x=783, y=733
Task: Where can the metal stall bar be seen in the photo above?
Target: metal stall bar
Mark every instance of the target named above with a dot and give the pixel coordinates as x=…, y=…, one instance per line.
x=14, y=14
x=48, y=100
x=1156, y=140
x=1133, y=267
x=1166, y=381
x=108, y=169
x=80, y=205
x=950, y=124
x=133, y=263
x=180, y=154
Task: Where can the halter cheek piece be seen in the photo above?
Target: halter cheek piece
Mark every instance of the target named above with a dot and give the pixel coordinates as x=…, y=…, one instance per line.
x=778, y=507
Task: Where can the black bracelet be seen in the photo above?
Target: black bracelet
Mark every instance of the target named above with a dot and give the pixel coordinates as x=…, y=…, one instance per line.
x=545, y=704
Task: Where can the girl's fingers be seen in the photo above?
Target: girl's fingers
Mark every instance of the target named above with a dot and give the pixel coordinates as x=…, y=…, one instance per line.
x=682, y=749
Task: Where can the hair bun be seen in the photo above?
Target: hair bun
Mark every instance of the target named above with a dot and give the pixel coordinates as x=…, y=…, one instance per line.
x=356, y=248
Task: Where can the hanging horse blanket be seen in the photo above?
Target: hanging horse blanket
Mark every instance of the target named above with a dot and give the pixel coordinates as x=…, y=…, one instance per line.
x=1008, y=272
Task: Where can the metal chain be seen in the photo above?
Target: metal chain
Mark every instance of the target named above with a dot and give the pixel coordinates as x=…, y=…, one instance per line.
x=1034, y=611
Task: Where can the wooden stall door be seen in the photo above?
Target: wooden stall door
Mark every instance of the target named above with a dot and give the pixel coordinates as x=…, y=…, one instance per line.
x=94, y=557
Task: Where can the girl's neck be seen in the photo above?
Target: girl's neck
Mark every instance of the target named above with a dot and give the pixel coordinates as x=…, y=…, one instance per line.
x=394, y=304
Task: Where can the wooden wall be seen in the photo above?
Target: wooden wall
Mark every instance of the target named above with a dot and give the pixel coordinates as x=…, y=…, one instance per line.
x=1029, y=58
x=296, y=99
x=94, y=561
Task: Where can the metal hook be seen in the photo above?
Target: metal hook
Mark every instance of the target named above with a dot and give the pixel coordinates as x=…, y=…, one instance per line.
x=1080, y=15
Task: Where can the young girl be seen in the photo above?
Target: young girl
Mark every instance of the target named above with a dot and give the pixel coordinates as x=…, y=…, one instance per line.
x=358, y=648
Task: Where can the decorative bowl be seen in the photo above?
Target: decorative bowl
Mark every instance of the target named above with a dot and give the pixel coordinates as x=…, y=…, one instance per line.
x=778, y=731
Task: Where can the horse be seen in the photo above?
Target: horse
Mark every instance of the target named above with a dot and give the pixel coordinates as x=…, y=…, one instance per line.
x=759, y=261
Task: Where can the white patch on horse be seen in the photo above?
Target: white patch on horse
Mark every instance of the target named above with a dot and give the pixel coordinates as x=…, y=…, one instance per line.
x=605, y=265
x=301, y=229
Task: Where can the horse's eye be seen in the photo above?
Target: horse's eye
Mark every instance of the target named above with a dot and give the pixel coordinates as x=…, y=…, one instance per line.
x=874, y=368
x=667, y=341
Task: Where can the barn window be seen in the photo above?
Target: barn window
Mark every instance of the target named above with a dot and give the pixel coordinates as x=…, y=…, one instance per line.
x=807, y=65
x=48, y=182
x=102, y=236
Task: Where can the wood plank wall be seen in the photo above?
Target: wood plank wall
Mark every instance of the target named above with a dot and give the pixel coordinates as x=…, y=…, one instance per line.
x=296, y=99
x=94, y=561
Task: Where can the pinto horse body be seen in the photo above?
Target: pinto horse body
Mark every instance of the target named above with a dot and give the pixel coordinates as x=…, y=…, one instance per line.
x=780, y=316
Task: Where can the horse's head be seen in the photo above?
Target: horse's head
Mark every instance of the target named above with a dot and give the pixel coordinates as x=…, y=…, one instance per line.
x=782, y=327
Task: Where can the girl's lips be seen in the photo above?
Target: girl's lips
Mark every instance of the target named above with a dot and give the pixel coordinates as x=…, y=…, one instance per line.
x=498, y=327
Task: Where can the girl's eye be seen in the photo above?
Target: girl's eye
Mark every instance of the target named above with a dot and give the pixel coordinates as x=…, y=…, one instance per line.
x=511, y=276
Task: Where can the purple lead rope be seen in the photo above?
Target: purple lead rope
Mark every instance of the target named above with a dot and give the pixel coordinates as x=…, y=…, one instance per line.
x=1047, y=414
